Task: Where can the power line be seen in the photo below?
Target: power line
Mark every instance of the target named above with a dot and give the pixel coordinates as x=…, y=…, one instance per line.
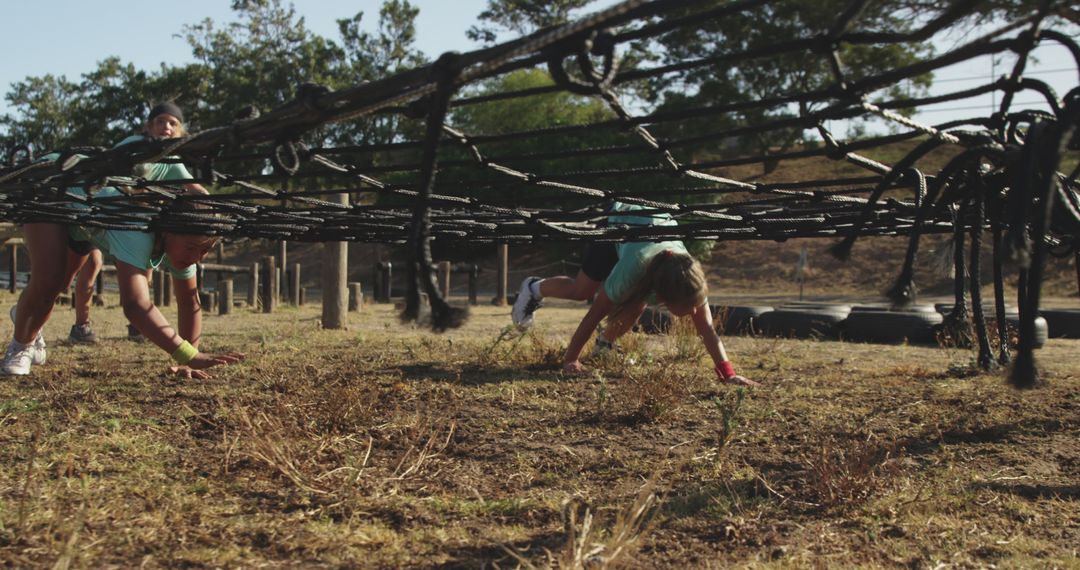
x=979, y=107
x=1026, y=73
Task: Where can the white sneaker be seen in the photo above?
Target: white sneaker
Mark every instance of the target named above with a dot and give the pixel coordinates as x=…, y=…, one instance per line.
x=525, y=305
x=37, y=347
x=17, y=360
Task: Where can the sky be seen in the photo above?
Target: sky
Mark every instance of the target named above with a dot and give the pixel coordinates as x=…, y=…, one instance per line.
x=69, y=37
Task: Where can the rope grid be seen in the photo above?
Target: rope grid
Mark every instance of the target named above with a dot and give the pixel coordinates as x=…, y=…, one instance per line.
x=271, y=173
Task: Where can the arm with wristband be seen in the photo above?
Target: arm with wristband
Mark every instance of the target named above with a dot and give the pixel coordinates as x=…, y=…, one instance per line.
x=145, y=316
x=725, y=370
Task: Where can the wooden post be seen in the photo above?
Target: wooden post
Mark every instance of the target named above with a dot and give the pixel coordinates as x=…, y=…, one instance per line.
x=335, y=272
x=501, y=278
x=383, y=277
x=225, y=296
x=474, y=274
x=253, y=286
x=283, y=262
x=294, y=287
x=277, y=285
x=166, y=289
x=158, y=290
x=13, y=268
x=221, y=260
x=303, y=295
x=269, y=302
x=356, y=296
x=444, y=279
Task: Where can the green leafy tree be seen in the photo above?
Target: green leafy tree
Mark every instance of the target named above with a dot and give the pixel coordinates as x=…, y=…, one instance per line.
x=41, y=108
x=521, y=17
x=367, y=57
x=259, y=60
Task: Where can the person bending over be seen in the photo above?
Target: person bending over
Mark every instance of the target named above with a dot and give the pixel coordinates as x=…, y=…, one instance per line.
x=57, y=251
x=629, y=276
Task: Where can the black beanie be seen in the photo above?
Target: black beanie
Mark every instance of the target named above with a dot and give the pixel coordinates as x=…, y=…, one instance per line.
x=166, y=107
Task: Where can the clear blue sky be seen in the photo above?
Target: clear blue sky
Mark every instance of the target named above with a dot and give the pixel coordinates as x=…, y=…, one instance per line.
x=68, y=37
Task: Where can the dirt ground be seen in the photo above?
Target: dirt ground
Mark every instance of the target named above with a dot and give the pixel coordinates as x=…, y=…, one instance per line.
x=387, y=446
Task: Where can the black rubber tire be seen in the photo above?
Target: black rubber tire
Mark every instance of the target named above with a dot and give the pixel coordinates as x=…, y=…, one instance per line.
x=988, y=309
x=815, y=306
x=1042, y=330
x=1062, y=323
x=879, y=307
x=737, y=319
x=893, y=327
x=801, y=323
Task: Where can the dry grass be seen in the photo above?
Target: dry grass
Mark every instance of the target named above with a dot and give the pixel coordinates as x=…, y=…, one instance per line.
x=385, y=446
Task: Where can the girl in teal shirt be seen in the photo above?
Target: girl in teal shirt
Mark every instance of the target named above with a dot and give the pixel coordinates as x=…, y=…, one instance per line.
x=629, y=277
x=58, y=251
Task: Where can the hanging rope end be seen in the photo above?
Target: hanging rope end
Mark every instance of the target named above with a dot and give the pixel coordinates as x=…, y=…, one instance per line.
x=1024, y=374
x=842, y=249
x=445, y=316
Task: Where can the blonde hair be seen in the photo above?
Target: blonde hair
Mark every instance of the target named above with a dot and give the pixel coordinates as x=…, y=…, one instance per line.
x=676, y=278
x=181, y=130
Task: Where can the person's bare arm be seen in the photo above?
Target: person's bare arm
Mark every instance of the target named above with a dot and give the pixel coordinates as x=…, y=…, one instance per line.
x=703, y=323
x=188, y=309
x=141, y=312
x=597, y=311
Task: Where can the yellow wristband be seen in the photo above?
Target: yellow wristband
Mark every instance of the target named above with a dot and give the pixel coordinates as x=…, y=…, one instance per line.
x=184, y=353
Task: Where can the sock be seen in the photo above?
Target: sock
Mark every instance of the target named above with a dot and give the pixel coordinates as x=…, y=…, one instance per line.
x=534, y=288
x=16, y=346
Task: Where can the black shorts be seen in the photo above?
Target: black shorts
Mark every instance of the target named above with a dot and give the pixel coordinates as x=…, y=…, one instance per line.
x=80, y=247
x=598, y=260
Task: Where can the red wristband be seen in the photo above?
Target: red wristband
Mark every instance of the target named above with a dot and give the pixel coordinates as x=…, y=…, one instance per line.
x=725, y=369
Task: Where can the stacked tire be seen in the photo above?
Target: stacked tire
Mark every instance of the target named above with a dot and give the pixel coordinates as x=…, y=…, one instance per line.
x=915, y=324
x=1062, y=323
x=738, y=319
x=804, y=320
x=1012, y=318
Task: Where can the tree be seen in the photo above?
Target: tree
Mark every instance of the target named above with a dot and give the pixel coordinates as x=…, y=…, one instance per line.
x=42, y=107
x=259, y=60
x=776, y=75
x=522, y=17
x=368, y=57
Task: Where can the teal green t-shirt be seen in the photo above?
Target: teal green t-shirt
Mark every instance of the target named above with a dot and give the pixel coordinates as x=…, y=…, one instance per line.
x=132, y=247
x=634, y=257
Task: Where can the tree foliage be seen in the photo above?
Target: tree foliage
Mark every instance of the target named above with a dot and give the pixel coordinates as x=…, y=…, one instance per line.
x=521, y=17
x=258, y=60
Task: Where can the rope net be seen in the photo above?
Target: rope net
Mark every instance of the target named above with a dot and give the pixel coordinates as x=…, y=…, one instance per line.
x=274, y=177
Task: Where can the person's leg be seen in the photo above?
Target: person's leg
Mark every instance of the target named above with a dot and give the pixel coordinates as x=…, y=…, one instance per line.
x=84, y=286
x=580, y=288
x=620, y=324
x=597, y=262
x=46, y=243
x=82, y=332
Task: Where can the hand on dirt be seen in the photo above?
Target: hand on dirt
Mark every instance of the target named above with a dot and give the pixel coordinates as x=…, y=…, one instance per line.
x=205, y=360
x=740, y=381
x=188, y=373
x=574, y=368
